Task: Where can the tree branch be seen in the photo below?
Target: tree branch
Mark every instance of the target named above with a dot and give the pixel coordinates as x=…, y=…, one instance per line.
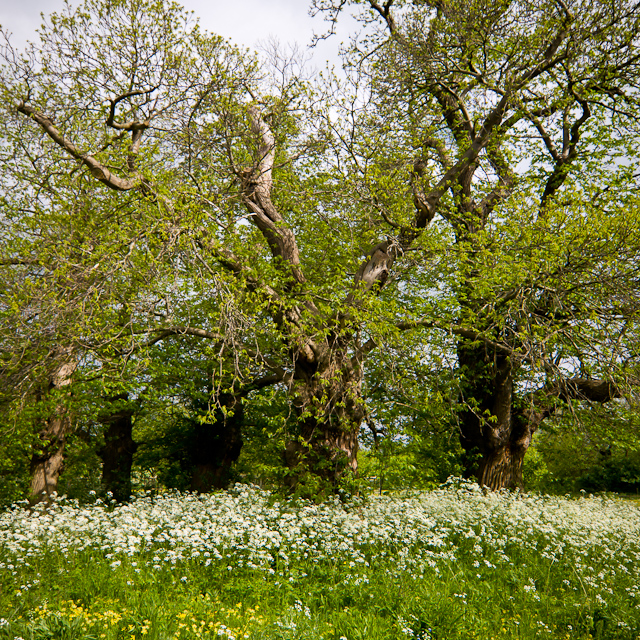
x=257, y=183
x=456, y=330
x=540, y=406
x=385, y=13
x=569, y=151
x=97, y=170
x=182, y=331
x=585, y=389
x=132, y=125
x=506, y=182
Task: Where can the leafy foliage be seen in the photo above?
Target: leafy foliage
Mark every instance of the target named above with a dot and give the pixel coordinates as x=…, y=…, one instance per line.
x=432, y=256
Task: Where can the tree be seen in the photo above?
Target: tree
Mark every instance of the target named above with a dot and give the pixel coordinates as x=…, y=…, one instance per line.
x=192, y=415
x=46, y=463
x=101, y=271
x=119, y=447
x=510, y=129
x=186, y=141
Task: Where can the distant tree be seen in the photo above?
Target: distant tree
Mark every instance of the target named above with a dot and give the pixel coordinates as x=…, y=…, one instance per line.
x=192, y=418
x=119, y=446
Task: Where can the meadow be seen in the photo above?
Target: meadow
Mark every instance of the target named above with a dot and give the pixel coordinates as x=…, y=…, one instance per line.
x=457, y=562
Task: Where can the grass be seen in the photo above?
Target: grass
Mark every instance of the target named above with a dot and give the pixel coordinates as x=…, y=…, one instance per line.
x=447, y=564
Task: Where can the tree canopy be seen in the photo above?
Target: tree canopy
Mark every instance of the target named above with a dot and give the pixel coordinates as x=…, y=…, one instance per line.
x=191, y=225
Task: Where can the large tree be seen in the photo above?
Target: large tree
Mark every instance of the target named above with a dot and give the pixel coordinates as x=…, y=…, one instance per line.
x=511, y=129
x=211, y=169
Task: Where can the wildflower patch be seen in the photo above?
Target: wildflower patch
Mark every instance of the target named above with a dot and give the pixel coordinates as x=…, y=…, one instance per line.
x=456, y=562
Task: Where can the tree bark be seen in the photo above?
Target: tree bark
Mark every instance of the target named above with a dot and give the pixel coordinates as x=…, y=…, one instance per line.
x=494, y=437
x=118, y=450
x=216, y=446
x=329, y=409
x=47, y=463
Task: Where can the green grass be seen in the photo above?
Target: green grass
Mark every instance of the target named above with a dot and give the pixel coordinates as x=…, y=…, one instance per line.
x=454, y=563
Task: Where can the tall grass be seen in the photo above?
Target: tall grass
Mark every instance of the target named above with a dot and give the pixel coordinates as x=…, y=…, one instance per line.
x=453, y=563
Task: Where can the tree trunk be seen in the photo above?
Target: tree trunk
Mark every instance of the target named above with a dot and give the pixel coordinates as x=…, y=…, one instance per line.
x=494, y=436
x=119, y=447
x=325, y=448
x=496, y=428
x=329, y=411
x=502, y=467
x=47, y=466
x=47, y=463
x=216, y=446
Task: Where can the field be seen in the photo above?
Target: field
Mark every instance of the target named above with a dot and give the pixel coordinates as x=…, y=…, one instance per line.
x=453, y=563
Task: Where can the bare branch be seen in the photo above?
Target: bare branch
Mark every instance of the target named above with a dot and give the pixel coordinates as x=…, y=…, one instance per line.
x=97, y=170
x=132, y=125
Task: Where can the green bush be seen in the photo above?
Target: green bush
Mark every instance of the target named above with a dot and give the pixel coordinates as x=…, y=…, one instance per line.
x=561, y=461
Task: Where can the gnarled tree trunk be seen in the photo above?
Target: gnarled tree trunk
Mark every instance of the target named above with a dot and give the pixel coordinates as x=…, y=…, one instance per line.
x=501, y=465
x=496, y=427
x=329, y=410
x=48, y=461
x=494, y=438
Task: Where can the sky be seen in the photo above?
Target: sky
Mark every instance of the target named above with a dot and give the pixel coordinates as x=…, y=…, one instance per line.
x=245, y=22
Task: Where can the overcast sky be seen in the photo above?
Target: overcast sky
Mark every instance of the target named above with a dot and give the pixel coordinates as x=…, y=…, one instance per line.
x=245, y=22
